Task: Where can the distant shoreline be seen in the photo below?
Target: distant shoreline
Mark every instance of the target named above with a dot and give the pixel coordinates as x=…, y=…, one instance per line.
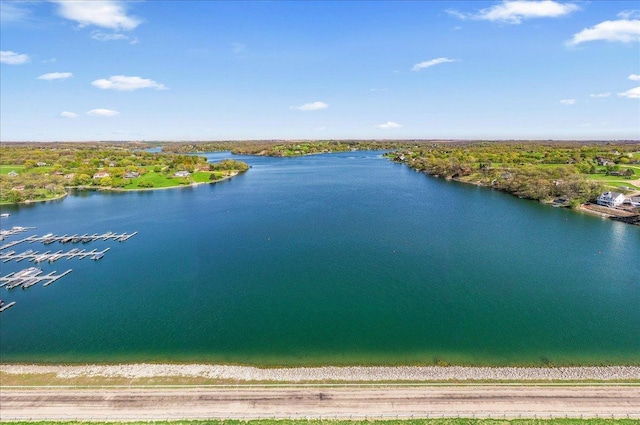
x=330, y=373
x=119, y=190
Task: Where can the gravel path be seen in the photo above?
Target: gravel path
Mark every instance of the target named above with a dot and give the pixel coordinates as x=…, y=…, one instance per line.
x=303, y=402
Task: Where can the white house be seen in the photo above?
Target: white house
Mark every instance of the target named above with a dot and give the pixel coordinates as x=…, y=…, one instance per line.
x=635, y=201
x=611, y=199
x=182, y=174
x=100, y=174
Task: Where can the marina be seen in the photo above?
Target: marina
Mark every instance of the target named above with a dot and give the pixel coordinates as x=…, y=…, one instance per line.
x=34, y=275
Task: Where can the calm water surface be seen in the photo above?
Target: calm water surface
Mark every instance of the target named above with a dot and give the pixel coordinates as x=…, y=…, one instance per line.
x=343, y=259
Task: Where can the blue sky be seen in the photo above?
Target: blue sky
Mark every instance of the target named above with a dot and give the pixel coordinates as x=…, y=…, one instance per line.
x=223, y=70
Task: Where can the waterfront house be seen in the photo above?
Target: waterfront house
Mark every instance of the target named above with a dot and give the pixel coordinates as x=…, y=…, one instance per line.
x=100, y=174
x=604, y=161
x=634, y=201
x=131, y=175
x=182, y=174
x=69, y=176
x=611, y=199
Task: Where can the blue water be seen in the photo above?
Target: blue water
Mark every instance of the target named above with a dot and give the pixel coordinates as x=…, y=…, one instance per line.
x=328, y=259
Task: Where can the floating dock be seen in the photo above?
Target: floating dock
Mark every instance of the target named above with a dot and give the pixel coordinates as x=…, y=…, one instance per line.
x=29, y=277
x=13, y=231
x=38, y=257
x=50, y=238
x=4, y=306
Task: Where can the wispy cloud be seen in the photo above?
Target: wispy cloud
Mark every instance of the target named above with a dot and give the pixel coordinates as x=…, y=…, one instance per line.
x=623, y=30
x=313, y=106
x=432, y=62
x=568, y=101
x=633, y=93
x=634, y=77
x=102, y=112
x=600, y=95
x=110, y=14
x=515, y=11
x=116, y=36
x=67, y=114
x=124, y=83
x=388, y=125
x=13, y=58
x=13, y=12
x=629, y=14
x=55, y=76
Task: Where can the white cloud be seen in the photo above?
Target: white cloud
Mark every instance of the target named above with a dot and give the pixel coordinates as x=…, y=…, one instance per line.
x=514, y=11
x=55, y=76
x=102, y=112
x=599, y=95
x=623, y=30
x=568, y=101
x=67, y=114
x=432, y=62
x=313, y=106
x=124, y=83
x=634, y=77
x=388, y=125
x=102, y=13
x=13, y=58
x=633, y=93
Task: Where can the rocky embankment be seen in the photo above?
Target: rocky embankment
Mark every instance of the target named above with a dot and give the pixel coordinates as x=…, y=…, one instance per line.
x=330, y=373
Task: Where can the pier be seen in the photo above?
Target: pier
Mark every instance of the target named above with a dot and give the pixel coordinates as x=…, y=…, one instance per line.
x=50, y=238
x=4, y=306
x=13, y=231
x=38, y=257
x=29, y=277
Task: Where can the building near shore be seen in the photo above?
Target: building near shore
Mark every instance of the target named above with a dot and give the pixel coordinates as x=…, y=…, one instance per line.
x=611, y=199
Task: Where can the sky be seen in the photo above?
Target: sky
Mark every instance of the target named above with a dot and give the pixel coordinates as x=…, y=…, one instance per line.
x=238, y=70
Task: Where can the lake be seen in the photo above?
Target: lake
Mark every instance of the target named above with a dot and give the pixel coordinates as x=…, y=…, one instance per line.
x=328, y=259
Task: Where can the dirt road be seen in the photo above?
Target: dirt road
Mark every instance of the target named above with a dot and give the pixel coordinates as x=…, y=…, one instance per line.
x=496, y=401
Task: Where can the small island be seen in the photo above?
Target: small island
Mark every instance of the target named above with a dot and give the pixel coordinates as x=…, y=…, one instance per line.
x=31, y=172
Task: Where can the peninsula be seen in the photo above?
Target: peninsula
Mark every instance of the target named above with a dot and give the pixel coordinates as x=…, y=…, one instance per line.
x=32, y=172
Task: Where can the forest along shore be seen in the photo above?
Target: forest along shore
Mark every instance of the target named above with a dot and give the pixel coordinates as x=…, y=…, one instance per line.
x=330, y=373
